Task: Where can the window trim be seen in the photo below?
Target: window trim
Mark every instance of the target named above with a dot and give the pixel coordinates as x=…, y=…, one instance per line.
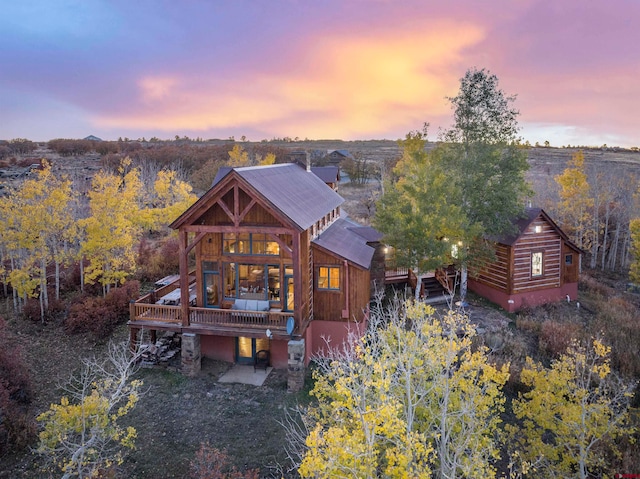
x=329, y=278
x=265, y=241
x=533, y=255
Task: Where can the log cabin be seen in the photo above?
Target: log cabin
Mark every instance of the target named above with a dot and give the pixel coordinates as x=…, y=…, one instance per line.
x=537, y=264
x=267, y=262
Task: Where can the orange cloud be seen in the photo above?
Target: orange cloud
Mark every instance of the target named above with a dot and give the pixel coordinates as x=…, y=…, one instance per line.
x=342, y=85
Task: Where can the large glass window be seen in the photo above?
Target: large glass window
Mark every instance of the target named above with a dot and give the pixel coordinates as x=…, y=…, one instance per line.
x=329, y=278
x=274, y=283
x=211, y=283
x=288, y=281
x=536, y=263
x=249, y=243
x=252, y=281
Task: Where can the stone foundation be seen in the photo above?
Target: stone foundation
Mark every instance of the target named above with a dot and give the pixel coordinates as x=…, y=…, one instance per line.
x=295, y=376
x=191, y=357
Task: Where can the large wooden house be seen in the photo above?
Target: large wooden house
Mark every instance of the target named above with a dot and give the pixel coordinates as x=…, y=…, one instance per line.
x=267, y=263
x=538, y=264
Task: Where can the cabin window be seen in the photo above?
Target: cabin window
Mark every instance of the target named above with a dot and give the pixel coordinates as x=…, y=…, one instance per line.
x=329, y=278
x=211, y=282
x=249, y=243
x=568, y=259
x=538, y=228
x=536, y=263
x=252, y=281
x=274, y=282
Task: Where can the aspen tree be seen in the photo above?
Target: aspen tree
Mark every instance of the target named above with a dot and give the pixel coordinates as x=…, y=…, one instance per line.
x=571, y=409
x=411, y=399
x=82, y=435
x=38, y=230
x=238, y=156
x=471, y=187
x=575, y=200
x=112, y=230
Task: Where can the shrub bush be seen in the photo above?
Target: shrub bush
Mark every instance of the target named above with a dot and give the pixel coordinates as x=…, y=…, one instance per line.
x=619, y=321
x=594, y=286
x=211, y=463
x=99, y=316
x=17, y=428
x=31, y=309
x=556, y=336
x=157, y=260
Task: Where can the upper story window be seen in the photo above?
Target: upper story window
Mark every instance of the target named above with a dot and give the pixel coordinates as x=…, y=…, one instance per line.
x=536, y=263
x=249, y=244
x=329, y=278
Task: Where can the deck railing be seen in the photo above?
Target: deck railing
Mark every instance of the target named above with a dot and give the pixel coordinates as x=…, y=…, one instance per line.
x=203, y=317
x=234, y=317
x=159, y=313
x=397, y=272
x=146, y=309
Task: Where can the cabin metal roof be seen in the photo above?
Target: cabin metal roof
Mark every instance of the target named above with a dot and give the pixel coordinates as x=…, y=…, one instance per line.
x=348, y=240
x=299, y=194
x=328, y=174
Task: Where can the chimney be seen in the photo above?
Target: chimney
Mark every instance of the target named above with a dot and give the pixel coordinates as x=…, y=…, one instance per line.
x=308, y=156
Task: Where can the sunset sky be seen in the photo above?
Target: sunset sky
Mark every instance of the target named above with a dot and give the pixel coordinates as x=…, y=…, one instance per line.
x=317, y=69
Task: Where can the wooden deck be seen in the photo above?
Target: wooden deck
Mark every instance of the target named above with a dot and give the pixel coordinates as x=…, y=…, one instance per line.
x=148, y=315
x=401, y=275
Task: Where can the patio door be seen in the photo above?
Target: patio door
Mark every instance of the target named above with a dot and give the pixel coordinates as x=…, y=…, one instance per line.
x=246, y=348
x=211, y=284
x=289, y=303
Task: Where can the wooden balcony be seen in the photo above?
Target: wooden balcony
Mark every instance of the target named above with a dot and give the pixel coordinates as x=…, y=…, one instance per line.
x=145, y=313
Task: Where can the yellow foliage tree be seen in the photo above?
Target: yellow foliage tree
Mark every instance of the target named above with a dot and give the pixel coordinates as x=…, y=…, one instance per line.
x=411, y=399
x=82, y=436
x=39, y=230
x=269, y=159
x=575, y=200
x=175, y=195
x=238, y=156
x=570, y=411
x=113, y=229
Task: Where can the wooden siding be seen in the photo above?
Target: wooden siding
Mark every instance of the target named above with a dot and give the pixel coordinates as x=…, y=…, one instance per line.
x=497, y=273
x=511, y=271
x=548, y=242
x=570, y=271
x=330, y=305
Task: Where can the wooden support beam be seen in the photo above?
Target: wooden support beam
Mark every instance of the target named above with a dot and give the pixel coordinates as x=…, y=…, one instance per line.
x=184, y=276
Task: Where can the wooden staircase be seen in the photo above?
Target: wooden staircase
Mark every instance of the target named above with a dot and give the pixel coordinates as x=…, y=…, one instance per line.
x=435, y=286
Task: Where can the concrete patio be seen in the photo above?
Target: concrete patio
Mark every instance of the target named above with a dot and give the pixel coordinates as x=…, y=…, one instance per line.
x=243, y=374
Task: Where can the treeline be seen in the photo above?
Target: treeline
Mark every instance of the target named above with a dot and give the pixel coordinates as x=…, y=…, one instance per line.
x=596, y=205
x=17, y=146
x=49, y=229
x=196, y=162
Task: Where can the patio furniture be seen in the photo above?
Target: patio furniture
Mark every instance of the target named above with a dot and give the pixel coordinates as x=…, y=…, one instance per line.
x=261, y=360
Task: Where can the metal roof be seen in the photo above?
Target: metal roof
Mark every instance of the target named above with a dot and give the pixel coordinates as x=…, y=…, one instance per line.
x=342, y=238
x=299, y=194
x=328, y=174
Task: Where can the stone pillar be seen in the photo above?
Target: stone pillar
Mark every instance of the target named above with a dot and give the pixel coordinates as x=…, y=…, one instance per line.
x=191, y=359
x=295, y=377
